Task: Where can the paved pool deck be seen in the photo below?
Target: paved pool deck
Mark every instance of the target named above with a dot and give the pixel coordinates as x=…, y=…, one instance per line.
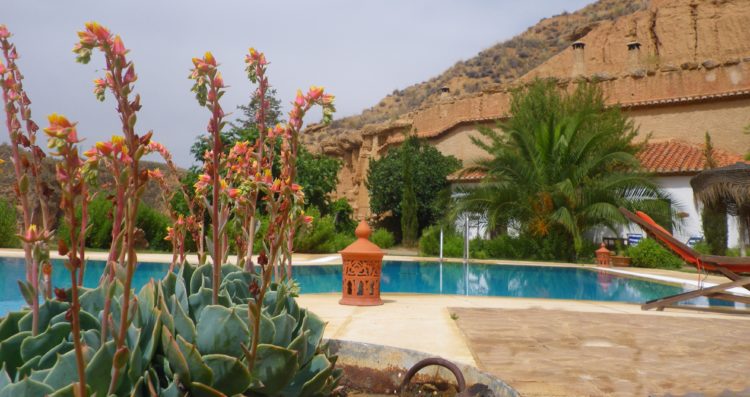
x=546, y=347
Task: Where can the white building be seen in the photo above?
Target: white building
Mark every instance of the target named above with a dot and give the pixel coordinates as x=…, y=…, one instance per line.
x=673, y=163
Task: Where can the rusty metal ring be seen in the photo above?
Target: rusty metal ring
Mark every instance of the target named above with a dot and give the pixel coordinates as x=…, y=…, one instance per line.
x=441, y=362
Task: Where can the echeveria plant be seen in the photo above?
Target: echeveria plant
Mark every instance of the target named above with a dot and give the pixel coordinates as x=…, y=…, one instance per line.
x=212, y=330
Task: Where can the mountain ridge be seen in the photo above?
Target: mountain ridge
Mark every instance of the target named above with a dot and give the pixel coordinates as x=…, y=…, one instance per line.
x=498, y=65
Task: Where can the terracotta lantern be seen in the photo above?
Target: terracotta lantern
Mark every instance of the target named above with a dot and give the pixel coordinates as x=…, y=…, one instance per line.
x=360, y=278
x=603, y=256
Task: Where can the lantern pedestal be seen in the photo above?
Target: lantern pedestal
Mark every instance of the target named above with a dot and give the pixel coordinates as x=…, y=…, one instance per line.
x=360, y=276
x=603, y=256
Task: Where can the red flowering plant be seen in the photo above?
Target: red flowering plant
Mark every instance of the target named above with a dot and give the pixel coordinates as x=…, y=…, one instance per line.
x=247, y=177
x=182, y=335
x=71, y=175
x=30, y=188
x=284, y=201
x=181, y=224
x=119, y=79
x=209, y=88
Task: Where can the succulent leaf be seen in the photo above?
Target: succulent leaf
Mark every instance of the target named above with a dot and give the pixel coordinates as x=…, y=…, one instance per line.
x=68, y=391
x=47, y=311
x=183, y=325
x=198, y=389
x=284, y=325
x=27, y=367
x=4, y=378
x=10, y=352
x=65, y=370
x=9, y=324
x=199, y=371
x=26, y=388
x=50, y=358
x=230, y=375
x=220, y=331
x=37, y=375
x=87, y=320
x=40, y=344
x=274, y=368
x=98, y=369
x=314, y=375
x=177, y=361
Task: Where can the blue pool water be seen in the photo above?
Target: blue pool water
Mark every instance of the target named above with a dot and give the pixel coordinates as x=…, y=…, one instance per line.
x=410, y=277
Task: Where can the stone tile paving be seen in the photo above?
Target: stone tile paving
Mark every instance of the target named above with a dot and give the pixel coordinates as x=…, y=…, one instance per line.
x=562, y=353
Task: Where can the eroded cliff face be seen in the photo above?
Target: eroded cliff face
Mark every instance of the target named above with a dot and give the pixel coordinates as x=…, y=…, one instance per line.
x=679, y=67
x=673, y=35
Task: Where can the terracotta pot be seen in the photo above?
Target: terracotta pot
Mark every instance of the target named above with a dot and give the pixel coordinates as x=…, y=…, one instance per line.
x=620, y=261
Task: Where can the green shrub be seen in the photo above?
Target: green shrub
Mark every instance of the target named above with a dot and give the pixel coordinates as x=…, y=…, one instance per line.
x=429, y=243
x=648, y=253
x=715, y=230
x=342, y=214
x=320, y=237
x=555, y=247
x=337, y=243
x=99, y=235
x=8, y=226
x=154, y=225
x=383, y=238
x=100, y=224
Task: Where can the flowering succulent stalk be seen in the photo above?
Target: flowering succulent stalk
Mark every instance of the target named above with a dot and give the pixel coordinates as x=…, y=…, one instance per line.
x=70, y=175
x=256, y=71
x=209, y=88
x=283, y=200
x=27, y=163
x=119, y=79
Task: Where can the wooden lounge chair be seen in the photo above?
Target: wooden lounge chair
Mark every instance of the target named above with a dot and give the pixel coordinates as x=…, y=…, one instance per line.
x=728, y=266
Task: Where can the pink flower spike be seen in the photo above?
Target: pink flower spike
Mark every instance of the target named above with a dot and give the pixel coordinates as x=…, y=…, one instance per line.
x=315, y=93
x=155, y=173
x=118, y=47
x=4, y=32
x=300, y=99
x=219, y=81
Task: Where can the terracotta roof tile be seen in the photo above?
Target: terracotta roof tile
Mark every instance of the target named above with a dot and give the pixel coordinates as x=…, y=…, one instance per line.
x=466, y=176
x=677, y=157
x=660, y=158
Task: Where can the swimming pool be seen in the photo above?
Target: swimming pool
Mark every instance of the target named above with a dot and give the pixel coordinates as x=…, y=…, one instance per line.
x=412, y=277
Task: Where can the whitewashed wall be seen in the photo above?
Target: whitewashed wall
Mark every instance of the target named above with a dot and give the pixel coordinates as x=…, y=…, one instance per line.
x=679, y=190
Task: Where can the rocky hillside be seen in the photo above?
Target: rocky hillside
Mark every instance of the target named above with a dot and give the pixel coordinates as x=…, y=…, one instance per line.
x=499, y=64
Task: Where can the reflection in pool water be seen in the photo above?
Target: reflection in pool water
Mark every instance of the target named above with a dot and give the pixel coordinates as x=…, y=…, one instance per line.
x=413, y=277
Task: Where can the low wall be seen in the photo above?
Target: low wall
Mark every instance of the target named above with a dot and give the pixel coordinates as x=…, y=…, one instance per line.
x=380, y=369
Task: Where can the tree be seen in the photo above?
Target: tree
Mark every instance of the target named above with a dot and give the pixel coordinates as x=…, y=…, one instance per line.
x=409, y=222
x=385, y=180
x=561, y=166
x=317, y=174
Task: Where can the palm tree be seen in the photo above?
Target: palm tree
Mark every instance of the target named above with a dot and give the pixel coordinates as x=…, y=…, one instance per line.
x=561, y=166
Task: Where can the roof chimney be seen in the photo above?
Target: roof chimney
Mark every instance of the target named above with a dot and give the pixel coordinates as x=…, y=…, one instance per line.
x=579, y=67
x=445, y=93
x=634, y=59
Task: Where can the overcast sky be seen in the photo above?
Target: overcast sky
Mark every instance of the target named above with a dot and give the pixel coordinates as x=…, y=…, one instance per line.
x=359, y=50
